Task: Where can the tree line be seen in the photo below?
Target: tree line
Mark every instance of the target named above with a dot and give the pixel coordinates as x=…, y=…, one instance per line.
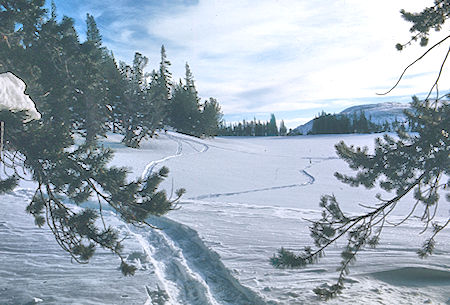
x=326, y=123
x=253, y=128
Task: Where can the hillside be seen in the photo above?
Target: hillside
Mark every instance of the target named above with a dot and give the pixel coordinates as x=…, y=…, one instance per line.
x=376, y=113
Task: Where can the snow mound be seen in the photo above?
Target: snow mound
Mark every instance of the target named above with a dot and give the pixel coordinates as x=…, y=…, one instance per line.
x=196, y=267
x=13, y=97
x=414, y=276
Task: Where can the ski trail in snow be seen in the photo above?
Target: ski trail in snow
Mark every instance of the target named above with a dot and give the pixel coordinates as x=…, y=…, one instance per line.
x=311, y=180
x=182, y=284
x=187, y=270
x=151, y=166
x=190, y=142
x=179, y=152
x=169, y=287
x=199, y=272
x=183, y=265
x=173, y=268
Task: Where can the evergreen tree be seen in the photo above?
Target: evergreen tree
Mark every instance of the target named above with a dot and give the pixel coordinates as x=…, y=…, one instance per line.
x=117, y=86
x=48, y=57
x=157, y=106
x=185, y=109
x=191, y=105
x=211, y=117
x=138, y=113
x=78, y=174
x=92, y=107
x=252, y=128
x=283, y=129
x=361, y=125
x=163, y=87
x=411, y=163
x=272, y=129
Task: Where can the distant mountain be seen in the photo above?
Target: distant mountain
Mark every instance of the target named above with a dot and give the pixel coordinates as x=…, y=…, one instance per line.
x=376, y=113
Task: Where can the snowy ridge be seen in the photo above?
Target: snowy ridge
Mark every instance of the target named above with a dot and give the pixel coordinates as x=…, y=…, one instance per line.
x=379, y=113
x=376, y=113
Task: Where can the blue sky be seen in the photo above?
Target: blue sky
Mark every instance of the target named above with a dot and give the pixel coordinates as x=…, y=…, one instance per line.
x=291, y=58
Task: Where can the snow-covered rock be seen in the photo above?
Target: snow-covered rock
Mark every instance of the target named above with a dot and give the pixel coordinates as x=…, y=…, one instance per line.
x=13, y=97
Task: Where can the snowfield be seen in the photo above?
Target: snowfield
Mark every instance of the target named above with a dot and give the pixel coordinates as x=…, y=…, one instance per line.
x=246, y=198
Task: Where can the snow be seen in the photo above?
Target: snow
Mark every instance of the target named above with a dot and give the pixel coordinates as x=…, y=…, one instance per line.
x=377, y=113
x=382, y=112
x=246, y=197
x=13, y=97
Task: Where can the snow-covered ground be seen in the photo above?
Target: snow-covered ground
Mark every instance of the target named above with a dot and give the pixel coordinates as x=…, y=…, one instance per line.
x=246, y=197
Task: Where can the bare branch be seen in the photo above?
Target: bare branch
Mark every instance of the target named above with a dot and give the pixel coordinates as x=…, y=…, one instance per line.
x=438, y=77
x=413, y=63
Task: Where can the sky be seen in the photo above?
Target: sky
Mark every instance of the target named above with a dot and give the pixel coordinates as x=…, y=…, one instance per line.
x=293, y=58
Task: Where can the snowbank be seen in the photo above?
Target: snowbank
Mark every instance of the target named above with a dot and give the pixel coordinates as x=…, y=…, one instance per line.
x=13, y=97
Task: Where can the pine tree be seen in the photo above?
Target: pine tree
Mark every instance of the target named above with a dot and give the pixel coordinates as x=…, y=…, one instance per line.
x=164, y=86
x=184, y=112
x=283, y=129
x=272, y=129
x=92, y=106
x=211, y=117
x=191, y=104
x=78, y=174
x=416, y=163
x=48, y=57
x=134, y=108
x=115, y=95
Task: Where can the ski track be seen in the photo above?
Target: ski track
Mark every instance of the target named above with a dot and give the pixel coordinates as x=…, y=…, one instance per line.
x=151, y=166
x=169, y=287
x=272, y=188
x=198, y=271
x=197, y=276
x=179, y=152
x=311, y=180
x=182, y=284
x=189, y=272
x=180, y=140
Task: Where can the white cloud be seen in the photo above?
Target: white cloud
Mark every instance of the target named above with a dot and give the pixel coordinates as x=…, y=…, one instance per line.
x=266, y=56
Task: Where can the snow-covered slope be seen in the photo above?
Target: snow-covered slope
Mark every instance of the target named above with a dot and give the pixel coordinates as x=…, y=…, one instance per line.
x=246, y=197
x=377, y=113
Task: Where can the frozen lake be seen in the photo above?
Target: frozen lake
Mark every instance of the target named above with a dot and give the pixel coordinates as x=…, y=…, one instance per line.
x=246, y=197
